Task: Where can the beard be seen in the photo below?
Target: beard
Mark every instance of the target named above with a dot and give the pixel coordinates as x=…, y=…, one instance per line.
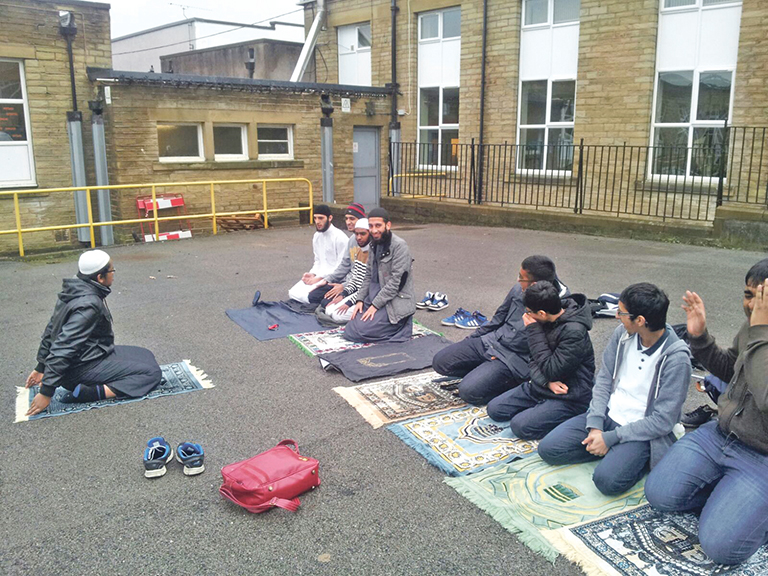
x=385, y=238
x=325, y=226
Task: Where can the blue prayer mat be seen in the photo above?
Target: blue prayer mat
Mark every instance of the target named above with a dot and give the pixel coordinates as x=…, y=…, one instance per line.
x=257, y=319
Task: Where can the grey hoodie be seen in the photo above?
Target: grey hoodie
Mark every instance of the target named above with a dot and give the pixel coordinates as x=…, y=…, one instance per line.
x=665, y=399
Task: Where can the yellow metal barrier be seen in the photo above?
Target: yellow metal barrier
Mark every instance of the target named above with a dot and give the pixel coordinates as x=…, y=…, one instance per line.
x=418, y=175
x=91, y=225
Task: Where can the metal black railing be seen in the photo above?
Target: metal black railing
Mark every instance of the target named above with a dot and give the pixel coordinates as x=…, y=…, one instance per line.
x=666, y=182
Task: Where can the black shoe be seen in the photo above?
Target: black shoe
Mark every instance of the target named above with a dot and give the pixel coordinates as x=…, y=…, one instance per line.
x=701, y=415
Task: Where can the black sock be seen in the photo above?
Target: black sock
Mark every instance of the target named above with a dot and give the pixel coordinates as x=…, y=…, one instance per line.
x=88, y=393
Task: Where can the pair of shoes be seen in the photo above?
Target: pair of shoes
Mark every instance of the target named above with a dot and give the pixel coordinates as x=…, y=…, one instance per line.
x=464, y=320
x=159, y=453
x=698, y=417
x=433, y=301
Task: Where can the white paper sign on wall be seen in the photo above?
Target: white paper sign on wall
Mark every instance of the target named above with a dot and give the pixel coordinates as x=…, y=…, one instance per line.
x=354, y=147
x=346, y=105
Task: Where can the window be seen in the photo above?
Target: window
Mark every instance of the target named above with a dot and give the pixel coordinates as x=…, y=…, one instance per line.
x=546, y=125
x=180, y=142
x=16, y=156
x=275, y=142
x=537, y=12
x=355, y=54
x=230, y=142
x=696, y=3
x=689, y=122
x=438, y=111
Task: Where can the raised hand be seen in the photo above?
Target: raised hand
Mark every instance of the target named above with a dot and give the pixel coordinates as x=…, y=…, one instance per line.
x=759, y=314
x=694, y=310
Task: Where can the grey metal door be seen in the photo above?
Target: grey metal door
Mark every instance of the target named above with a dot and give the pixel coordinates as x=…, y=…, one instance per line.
x=366, y=164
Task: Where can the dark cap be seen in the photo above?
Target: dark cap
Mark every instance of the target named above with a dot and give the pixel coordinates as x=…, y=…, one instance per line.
x=323, y=210
x=356, y=210
x=379, y=213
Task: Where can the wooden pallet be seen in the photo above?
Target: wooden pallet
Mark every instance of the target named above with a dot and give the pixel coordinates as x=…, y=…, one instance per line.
x=236, y=223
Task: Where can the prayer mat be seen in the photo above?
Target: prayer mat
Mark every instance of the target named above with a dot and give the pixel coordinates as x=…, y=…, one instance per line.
x=644, y=542
x=462, y=441
x=327, y=341
x=257, y=319
x=178, y=378
x=530, y=498
x=401, y=398
x=385, y=359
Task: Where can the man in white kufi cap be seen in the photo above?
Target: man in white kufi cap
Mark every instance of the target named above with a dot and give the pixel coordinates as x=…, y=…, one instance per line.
x=78, y=351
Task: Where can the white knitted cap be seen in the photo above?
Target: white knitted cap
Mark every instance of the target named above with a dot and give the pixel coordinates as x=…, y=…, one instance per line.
x=92, y=261
x=362, y=223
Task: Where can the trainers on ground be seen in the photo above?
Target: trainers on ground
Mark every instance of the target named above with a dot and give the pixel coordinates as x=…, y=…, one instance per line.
x=426, y=301
x=439, y=301
x=471, y=321
x=698, y=417
x=191, y=456
x=452, y=320
x=157, y=454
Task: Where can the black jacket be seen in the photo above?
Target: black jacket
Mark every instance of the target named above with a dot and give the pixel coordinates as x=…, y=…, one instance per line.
x=79, y=331
x=562, y=350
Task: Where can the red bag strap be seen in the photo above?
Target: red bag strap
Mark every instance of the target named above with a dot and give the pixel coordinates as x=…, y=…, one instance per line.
x=290, y=505
x=288, y=443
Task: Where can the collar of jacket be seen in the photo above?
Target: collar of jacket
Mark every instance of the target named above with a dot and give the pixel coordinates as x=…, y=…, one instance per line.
x=101, y=291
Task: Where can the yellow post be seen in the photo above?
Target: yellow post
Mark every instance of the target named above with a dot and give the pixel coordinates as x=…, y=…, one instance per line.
x=311, y=204
x=18, y=223
x=213, y=208
x=264, y=196
x=90, y=216
x=154, y=208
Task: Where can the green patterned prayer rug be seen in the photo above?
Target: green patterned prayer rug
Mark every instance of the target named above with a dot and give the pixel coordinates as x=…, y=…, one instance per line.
x=529, y=497
x=644, y=542
x=462, y=441
x=388, y=401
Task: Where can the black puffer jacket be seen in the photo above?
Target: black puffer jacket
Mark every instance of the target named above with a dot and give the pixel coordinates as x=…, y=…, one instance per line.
x=562, y=351
x=80, y=331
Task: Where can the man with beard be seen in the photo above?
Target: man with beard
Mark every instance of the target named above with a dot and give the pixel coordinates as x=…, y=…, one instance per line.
x=721, y=469
x=387, y=294
x=339, y=308
x=343, y=272
x=78, y=349
x=328, y=244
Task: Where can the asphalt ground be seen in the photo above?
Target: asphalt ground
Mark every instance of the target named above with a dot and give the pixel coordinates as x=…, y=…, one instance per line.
x=74, y=498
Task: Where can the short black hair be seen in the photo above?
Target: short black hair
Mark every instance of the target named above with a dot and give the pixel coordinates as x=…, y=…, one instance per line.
x=757, y=274
x=542, y=296
x=540, y=268
x=646, y=300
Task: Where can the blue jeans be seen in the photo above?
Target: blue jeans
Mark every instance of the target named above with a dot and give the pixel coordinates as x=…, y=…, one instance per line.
x=723, y=478
x=619, y=470
x=531, y=417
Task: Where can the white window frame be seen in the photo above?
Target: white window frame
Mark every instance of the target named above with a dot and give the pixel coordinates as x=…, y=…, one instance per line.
x=200, y=147
x=24, y=101
x=546, y=126
x=697, y=5
x=288, y=156
x=440, y=126
x=550, y=23
x=243, y=139
x=691, y=125
x=355, y=49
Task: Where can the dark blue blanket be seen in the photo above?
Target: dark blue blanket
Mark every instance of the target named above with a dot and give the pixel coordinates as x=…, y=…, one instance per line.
x=257, y=319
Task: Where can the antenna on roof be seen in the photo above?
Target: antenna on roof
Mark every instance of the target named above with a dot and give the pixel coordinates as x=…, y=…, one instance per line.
x=185, y=6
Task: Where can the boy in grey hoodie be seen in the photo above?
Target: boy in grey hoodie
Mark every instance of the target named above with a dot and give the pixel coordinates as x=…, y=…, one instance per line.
x=637, y=399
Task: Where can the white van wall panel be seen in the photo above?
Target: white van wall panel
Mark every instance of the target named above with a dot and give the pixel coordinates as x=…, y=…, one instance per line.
x=429, y=64
x=565, y=51
x=678, y=41
x=720, y=38
x=451, y=62
x=14, y=164
x=536, y=54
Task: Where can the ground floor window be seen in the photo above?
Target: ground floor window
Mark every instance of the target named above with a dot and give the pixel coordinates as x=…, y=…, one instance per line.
x=230, y=142
x=180, y=142
x=546, y=125
x=16, y=153
x=275, y=142
x=439, y=126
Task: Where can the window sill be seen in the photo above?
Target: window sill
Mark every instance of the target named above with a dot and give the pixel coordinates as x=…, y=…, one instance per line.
x=238, y=165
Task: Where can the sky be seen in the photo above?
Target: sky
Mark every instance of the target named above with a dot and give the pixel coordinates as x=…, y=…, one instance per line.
x=130, y=16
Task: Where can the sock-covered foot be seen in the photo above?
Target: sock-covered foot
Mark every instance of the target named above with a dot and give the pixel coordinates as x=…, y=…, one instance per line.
x=88, y=393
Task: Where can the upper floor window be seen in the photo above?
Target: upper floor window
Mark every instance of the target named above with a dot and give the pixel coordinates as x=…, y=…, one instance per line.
x=16, y=155
x=181, y=142
x=695, y=3
x=542, y=12
x=355, y=54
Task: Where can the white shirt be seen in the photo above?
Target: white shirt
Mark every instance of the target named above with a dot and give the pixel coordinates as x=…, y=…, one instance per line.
x=630, y=398
x=329, y=248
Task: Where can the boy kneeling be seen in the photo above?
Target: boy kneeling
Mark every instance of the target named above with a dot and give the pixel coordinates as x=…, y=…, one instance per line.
x=562, y=364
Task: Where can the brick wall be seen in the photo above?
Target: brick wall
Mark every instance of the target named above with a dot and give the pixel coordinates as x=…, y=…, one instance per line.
x=30, y=32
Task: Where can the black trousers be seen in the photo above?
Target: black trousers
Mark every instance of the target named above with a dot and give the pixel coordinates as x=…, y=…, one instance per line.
x=128, y=370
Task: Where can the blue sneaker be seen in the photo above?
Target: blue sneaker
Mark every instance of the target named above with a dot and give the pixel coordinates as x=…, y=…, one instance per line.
x=426, y=301
x=471, y=321
x=157, y=454
x=439, y=302
x=453, y=320
x=191, y=456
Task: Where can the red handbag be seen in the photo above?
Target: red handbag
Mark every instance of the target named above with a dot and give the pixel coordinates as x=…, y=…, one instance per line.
x=273, y=478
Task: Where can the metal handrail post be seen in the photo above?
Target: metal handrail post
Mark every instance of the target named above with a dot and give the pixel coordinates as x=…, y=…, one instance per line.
x=213, y=208
x=154, y=211
x=18, y=222
x=90, y=216
x=311, y=203
x=264, y=203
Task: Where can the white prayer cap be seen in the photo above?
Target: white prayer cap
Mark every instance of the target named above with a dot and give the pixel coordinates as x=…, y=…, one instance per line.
x=92, y=261
x=361, y=223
